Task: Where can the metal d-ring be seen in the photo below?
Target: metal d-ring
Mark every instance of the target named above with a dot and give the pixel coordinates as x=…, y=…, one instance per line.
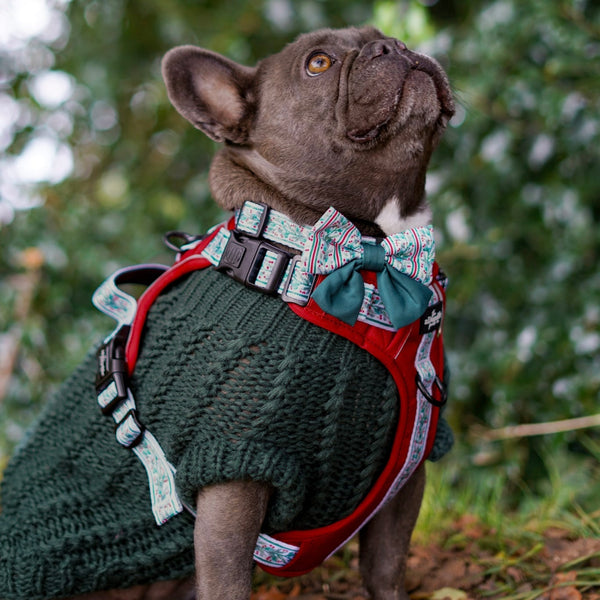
x=441, y=386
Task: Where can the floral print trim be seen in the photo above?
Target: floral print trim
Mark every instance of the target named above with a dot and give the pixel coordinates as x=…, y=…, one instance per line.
x=272, y=552
x=334, y=242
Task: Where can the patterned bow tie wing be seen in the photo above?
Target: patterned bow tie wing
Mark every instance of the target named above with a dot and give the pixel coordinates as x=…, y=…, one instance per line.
x=412, y=252
x=334, y=248
x=333, y=242
x=403, y=263
x=402, y=286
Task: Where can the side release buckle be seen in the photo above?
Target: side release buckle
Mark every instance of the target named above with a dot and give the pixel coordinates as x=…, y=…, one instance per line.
x=111, y=374
x=243, y=258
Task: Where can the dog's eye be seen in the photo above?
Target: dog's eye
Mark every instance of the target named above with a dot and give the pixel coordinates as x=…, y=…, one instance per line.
x=318, y=63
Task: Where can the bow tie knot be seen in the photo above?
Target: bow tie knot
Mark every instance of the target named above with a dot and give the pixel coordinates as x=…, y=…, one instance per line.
x=373, y=258
x=403, y=263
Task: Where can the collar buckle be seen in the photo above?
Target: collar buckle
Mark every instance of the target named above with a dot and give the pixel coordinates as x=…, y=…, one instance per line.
x=254, y=263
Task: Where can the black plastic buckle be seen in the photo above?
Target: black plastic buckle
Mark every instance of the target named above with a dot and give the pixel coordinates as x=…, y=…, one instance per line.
x=441, y=386
x=112, y=367
x=243, y=257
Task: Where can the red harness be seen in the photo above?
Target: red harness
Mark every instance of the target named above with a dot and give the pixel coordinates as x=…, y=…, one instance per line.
x=402, y=351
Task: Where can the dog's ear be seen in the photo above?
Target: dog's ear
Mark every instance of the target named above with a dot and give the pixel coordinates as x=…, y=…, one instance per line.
x=210, y=91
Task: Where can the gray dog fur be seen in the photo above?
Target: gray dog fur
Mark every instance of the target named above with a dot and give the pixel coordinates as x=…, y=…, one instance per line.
x=357, y=133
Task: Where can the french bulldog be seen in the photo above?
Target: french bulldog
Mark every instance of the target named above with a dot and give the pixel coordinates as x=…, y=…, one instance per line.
x=345, y=118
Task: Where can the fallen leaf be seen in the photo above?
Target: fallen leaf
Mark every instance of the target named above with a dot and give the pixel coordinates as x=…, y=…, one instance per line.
x=264, y=593
x=448, y=594
x=568, y=592
x=558, y=551
x=471, y=526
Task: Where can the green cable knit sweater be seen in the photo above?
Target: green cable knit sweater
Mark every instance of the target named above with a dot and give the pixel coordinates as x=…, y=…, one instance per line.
x=233, y=385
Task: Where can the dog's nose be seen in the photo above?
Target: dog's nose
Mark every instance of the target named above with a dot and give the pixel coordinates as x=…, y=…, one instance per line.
x=383, y=47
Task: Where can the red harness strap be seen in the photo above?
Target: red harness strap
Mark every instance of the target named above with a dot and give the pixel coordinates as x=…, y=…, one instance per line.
x=400, y=351
x=185, y=263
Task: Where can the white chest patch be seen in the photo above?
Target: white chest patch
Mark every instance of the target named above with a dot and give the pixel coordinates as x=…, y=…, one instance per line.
x=391, y=222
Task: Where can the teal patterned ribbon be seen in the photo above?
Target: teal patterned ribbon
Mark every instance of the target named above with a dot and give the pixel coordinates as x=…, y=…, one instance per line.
x=403, y=263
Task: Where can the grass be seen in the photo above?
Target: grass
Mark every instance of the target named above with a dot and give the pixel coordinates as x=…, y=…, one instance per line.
x=566, y=498
x=519, y=545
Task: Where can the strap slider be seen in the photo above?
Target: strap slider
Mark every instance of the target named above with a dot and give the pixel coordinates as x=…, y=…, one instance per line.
x=129, y=431
x=251, y=227
x=288, y=294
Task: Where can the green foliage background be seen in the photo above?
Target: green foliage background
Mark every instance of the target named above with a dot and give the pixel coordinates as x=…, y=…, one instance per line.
x=515, y=188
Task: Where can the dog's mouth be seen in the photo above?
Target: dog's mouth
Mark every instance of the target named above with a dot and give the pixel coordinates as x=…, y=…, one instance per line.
x=377, y=79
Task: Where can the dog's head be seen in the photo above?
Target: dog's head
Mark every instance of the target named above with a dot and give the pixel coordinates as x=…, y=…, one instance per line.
x=345, y=118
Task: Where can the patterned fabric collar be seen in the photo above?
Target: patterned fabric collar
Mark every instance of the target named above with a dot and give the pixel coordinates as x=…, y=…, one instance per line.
x=334, y=247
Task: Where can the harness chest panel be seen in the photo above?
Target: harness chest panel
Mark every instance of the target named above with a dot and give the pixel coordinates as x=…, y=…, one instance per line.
x=414, y=357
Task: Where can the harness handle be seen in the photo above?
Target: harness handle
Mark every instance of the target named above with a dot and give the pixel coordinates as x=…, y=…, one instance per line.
x=117, y=304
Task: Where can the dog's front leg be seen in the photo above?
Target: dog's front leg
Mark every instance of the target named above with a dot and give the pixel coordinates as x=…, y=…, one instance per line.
x=385, y=540
x=228, y=522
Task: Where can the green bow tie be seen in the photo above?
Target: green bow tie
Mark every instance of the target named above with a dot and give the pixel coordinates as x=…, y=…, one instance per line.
x=403, y=263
